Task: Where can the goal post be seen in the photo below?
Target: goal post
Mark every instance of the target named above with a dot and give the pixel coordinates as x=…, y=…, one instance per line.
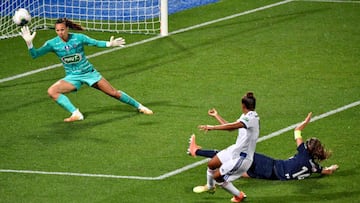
x=127, y=16
x=164, y=9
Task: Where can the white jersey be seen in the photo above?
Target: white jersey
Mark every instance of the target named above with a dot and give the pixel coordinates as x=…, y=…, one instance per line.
x=247, y=136
x=237, y=158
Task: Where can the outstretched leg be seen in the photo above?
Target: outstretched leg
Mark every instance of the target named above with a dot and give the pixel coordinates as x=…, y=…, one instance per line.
x=104, y=86
x=56, y=92
x=195, y=150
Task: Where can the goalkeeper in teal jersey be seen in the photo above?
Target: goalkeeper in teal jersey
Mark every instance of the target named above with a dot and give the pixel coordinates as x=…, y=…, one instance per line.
x=69, y=47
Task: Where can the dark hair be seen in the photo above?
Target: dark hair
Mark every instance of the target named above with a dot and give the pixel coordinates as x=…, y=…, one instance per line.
x=317, y=150
x=249, y=101
x=69, y=24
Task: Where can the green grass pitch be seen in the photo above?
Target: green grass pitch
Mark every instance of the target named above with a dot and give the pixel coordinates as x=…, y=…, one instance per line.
x=297, y=57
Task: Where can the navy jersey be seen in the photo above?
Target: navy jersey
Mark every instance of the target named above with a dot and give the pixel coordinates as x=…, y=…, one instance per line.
x=262, y=167
x=298, y=167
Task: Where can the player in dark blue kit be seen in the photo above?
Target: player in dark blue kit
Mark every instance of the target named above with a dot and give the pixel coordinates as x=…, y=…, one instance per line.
x=300, y=166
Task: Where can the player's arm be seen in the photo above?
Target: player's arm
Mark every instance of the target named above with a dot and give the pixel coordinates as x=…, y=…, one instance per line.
x=226, y=126
x=86, y=40
x=213, y=112
x=27, y=36
x=46, y=48
x=118, y=42
x=299, y=128
x=99, y=43
x=329, y=170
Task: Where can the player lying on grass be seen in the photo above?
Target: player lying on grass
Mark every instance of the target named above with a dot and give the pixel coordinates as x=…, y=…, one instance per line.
x=300, y=166
x=69, y=47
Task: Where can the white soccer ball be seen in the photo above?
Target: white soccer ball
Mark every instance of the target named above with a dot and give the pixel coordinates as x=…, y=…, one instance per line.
x=21, y=17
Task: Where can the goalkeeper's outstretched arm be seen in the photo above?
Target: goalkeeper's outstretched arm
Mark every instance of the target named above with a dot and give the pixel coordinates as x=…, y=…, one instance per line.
x=27, y=36
x=118, y=42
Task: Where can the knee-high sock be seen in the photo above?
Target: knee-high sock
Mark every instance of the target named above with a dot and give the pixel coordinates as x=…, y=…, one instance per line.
x=129, y=100
x=228, y=186
x=64, y=102
x=206, y=153
x=210, y=178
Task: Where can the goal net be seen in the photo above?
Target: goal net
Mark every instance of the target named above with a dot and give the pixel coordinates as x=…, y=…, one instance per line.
x=131, y=16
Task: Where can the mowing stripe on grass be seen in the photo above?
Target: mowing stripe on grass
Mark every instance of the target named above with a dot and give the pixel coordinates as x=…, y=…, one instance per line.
x=313, y=119
x=232, y=16
x=331, y=1
x=185, y=168
x=146, y=40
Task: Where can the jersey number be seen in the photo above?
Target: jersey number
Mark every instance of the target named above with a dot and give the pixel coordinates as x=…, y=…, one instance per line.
x=301, y=174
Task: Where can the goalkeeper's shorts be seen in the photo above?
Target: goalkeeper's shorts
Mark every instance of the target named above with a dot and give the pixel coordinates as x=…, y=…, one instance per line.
x=89, y=78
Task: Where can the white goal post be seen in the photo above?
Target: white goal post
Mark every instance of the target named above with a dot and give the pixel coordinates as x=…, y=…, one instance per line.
x=130, y=16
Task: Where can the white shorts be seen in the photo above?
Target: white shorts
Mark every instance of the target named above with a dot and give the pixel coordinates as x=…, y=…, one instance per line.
x=232, y=167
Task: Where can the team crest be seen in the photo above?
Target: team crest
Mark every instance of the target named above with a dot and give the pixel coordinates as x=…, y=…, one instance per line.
x=67, y=48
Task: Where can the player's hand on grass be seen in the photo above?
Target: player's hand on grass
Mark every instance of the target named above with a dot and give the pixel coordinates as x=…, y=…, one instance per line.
x=332, y=167
x=329, y=170
x=118, y=42
x=27, y=36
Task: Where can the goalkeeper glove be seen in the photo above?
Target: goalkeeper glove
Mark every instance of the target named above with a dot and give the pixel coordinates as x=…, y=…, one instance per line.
x=27, y=36
x=118, y=42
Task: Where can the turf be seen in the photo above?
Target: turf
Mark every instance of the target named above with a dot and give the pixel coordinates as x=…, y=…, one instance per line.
x=298, y=57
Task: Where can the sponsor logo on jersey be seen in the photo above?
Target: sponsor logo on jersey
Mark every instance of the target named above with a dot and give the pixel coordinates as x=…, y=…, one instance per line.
x=71, y=59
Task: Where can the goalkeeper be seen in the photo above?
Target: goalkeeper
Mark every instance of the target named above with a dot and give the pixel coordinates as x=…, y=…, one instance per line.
x=69, y=47
x=300, y=166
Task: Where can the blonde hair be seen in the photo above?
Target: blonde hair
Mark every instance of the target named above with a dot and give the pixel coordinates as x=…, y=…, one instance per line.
x=317, y=150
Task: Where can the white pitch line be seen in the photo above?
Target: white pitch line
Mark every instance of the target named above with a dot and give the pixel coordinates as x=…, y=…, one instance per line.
x=266, y=137
x=75, y=174
x=146, y=40
x=313, y=119
x=187, y=167
x=109, y=51
x=233, y=16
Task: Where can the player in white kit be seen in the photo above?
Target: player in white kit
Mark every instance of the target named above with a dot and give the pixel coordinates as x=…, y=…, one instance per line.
x=230, y=163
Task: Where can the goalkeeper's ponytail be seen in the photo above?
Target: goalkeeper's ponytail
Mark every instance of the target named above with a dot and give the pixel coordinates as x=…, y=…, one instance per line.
x=69, y=24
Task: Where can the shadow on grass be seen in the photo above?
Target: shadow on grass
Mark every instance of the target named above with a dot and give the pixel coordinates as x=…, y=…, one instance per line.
x=28, y=102
x=307, y=190
x=183, y=51
x=304, y=197
x=138, y=66
x=25, y=84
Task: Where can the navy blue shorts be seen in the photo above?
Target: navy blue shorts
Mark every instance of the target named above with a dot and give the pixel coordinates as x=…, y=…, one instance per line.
x=262, y=167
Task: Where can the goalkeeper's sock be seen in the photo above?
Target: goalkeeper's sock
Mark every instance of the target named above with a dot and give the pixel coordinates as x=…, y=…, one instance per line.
x=129, y=100
x=64, y=102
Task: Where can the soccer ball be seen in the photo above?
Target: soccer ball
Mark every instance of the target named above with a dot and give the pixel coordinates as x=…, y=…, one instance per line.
x=21, y=17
